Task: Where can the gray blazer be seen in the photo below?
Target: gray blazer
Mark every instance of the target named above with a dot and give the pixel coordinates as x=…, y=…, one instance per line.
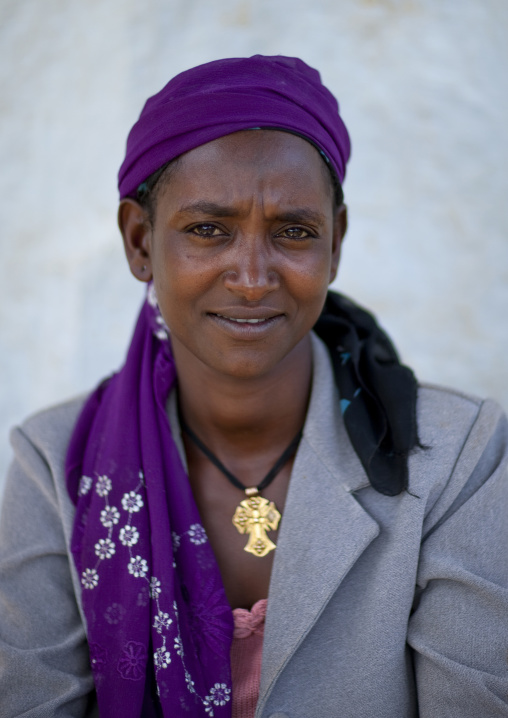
x=379, y=607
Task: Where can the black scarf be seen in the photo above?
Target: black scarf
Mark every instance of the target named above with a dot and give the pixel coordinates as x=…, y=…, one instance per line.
x=378, y=393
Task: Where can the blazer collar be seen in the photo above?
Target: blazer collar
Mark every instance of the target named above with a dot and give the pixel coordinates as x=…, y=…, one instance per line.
x=324, y=529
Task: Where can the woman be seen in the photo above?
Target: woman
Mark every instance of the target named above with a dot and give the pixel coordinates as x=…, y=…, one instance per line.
x=142, y=539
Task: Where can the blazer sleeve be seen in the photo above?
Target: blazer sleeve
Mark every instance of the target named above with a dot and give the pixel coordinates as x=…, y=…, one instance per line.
x=459, y=626
x=44, y=663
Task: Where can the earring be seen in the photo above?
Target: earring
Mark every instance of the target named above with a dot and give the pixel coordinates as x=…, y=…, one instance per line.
x=143, y=268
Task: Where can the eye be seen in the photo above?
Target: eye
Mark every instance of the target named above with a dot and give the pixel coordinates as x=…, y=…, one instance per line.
x=206, y=230
x=295, y=233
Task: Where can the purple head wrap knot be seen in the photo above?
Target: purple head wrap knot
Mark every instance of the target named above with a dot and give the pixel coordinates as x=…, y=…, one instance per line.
x=226, y=96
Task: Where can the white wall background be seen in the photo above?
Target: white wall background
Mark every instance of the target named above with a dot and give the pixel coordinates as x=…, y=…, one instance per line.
x=423, y=87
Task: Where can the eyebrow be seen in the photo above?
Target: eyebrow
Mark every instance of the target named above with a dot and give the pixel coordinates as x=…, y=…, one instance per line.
x=212, y=209
x=302, y=214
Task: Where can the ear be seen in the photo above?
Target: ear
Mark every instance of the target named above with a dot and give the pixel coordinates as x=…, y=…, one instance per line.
x=136, y=231
x=339, y=230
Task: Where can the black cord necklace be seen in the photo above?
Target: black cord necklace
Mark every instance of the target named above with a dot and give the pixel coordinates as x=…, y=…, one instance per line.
x=254, y=515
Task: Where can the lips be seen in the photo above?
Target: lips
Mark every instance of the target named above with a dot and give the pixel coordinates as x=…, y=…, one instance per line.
x=240, y=320
x=248, y=324
x=249, y=315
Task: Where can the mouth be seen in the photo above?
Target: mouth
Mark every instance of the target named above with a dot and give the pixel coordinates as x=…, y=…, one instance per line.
x=241, y=320
x=246, y=326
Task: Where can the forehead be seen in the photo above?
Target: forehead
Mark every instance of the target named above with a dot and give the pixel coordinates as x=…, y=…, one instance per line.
x=279, y=165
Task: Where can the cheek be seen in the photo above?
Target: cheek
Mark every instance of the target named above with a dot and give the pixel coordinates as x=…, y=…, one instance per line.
x=167, y=281
x=179, y=281
x=311, y=278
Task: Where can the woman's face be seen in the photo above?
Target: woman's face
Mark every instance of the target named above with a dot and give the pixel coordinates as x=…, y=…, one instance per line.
x=244, y=243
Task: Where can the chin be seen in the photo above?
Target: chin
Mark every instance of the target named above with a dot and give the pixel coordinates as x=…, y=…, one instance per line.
x=245, y=367
x=256, y=364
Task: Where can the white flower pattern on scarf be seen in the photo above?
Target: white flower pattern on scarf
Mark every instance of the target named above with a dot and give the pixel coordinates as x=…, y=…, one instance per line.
x=155, y=587
x=138, y=567
x=197, y=534
x=89, y=578
x=110, y=516
x=103, y=485
x=85, y=484
x=105, y=548
x=219, y=695
x=162, y=621
x=178, y=646
x=129, y=535
x=132, y=502
x=161, y=658
x=176, y=540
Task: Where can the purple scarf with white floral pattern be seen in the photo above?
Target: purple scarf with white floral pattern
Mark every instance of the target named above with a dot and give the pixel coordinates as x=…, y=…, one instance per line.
x=158, y=620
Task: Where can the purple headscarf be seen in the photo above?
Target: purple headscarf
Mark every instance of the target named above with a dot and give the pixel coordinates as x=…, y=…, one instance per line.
x=225, y=96
x=157, y=614
x=159, y=625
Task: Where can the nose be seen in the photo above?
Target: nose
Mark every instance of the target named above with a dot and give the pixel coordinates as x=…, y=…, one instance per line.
x=252, y=274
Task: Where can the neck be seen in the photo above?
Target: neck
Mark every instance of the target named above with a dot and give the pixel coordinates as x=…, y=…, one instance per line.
x=245, y=414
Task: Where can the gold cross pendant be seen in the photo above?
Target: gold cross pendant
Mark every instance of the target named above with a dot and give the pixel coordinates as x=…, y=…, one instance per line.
x=255, y=516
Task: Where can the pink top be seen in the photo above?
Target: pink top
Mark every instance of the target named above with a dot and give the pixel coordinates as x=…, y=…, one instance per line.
x=246, y=651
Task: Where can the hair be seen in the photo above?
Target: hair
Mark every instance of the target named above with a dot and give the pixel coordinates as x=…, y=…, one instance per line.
x=338, y=192
x=149, y=190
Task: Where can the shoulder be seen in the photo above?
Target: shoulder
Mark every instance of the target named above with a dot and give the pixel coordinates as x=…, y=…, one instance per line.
x=448, y=416
x=36, y=525
x=48, y=432
x=37, y=474
x=464, y=442
x=35, y=497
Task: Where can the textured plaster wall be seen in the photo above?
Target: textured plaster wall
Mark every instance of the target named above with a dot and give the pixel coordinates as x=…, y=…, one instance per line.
x=423, y=88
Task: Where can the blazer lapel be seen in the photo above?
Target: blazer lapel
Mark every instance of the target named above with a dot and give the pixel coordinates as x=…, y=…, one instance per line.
x=324, y=529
